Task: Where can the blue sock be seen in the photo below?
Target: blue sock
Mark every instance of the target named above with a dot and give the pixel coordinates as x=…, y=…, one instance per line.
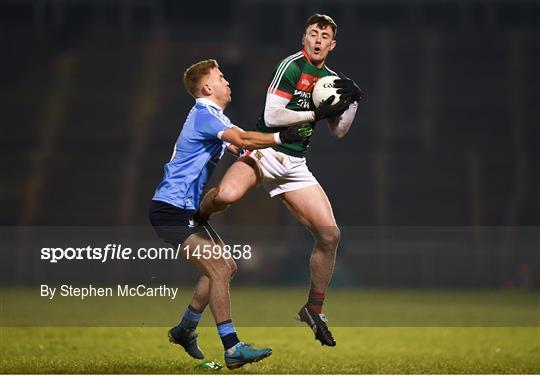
x=227, y=333
x=191, y=318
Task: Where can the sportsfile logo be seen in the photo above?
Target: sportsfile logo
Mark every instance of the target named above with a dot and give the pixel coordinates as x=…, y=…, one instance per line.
x=109, y=252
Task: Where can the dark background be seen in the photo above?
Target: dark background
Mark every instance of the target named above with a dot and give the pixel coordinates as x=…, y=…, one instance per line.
x=447, y=135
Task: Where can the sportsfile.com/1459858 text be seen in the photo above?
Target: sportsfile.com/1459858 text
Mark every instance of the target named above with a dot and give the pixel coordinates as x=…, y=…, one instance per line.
x=118, y=252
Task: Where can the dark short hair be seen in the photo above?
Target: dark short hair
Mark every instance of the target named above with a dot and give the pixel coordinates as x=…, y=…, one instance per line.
x=194, y=74
x=322, y=21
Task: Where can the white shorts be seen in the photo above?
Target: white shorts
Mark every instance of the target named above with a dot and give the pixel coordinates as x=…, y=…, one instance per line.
x=282, y=172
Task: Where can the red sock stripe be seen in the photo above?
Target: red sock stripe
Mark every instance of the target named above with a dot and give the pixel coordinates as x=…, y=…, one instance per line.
x=315, y=301
x=316, y=295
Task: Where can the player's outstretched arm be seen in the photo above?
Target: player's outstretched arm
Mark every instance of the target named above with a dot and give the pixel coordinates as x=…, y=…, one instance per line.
x=234, y=150
x=258, y=140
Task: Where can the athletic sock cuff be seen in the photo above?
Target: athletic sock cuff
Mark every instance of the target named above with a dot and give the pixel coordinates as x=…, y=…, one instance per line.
x=317, y=295
x=195, y=310
x=191, y=318
x=224, y=322
x=226, y=328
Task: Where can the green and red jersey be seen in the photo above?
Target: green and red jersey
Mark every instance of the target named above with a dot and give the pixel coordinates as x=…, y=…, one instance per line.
x=294, y=78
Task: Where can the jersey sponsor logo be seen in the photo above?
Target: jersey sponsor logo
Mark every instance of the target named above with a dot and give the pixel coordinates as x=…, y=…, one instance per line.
x=303, y=99
x=302, y=94
x=306, y=82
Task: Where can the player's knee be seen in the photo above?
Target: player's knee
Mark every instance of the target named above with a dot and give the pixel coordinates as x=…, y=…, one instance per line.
x=328, y=237
x=233, y=267
x=220, y=272
x=227, y=195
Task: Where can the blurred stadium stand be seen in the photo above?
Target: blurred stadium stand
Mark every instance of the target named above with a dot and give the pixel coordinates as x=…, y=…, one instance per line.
x=448, y=133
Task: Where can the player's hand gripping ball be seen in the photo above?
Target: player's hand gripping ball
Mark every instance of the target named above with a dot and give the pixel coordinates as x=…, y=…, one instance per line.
x=325, y=88
x=348, y=89
x=341, y=87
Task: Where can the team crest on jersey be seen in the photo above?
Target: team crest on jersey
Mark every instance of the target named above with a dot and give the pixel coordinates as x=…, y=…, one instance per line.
x=306, y=82
x=258, y=155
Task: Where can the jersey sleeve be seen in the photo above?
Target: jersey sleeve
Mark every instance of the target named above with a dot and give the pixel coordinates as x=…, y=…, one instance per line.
x=212, y=126
x=284, y=78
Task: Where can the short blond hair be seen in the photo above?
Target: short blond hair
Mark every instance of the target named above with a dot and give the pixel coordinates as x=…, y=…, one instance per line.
x=194, y=74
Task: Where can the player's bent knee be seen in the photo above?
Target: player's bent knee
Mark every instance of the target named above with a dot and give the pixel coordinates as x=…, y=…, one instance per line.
x=228, y=195
x=328, y=237
x=220, y=272
x=233, y=266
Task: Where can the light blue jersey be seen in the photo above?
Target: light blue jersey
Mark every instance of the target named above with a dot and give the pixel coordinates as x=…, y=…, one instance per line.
x=196, y=152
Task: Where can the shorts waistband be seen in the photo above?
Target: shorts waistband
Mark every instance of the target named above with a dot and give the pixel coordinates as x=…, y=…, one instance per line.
x=289, y=152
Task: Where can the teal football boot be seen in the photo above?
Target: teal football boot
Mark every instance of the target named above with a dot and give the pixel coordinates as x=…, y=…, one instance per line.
x=187, y=338
x=244, y=354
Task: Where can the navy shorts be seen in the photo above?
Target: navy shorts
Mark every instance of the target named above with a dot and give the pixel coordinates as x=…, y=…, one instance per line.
x=172, y=224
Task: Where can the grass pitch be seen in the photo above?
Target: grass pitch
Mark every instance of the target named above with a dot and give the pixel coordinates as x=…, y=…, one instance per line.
x=359, y=350
x=376, y=331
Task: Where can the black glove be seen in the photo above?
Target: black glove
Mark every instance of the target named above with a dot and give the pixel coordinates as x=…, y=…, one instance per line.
x=292, y=135
x=348, y=89
x=328, y=110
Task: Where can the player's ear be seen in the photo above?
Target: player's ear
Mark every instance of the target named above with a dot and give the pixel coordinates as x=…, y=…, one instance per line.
x=332, y=44
x=206, y=89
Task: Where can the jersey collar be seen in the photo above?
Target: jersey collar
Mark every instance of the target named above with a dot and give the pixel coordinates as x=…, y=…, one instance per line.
x=307, y=56
x=304, y=52
x=208, y=102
